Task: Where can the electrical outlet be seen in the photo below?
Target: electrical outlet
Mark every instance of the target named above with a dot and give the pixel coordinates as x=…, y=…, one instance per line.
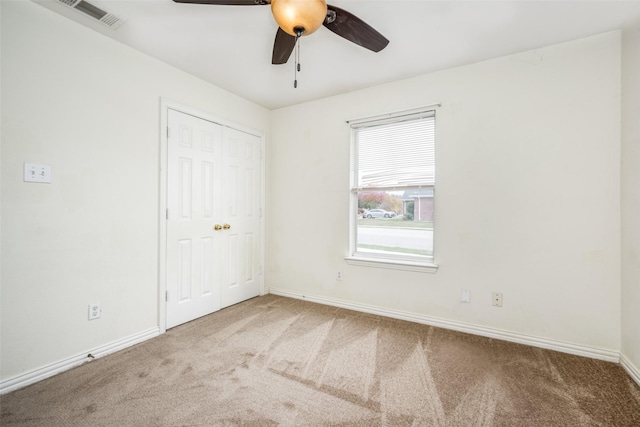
x=496, y=298
x=339, y=275
x=94, y=311
x=465, y=295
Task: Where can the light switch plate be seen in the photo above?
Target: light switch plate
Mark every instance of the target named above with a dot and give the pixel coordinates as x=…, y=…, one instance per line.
x=37, y=172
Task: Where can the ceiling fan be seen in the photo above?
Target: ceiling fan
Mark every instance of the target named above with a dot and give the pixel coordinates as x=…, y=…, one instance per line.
x=297, y=18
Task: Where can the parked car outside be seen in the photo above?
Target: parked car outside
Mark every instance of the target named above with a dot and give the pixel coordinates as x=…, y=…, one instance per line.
x=379, y=213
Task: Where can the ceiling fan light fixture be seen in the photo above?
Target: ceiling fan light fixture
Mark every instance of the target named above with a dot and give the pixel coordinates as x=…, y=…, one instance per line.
x=299, y=16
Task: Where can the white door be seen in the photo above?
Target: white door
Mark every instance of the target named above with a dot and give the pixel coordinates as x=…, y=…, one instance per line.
x=213, y=217
x=194, y=155
x=241, y=186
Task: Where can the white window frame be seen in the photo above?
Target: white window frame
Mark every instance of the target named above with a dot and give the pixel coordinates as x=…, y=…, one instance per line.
x=389, y=261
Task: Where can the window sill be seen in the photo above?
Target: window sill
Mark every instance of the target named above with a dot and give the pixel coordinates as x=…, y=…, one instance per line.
x=392, y=264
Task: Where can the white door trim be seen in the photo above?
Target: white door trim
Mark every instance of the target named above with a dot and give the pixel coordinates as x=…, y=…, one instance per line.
x=165, y=106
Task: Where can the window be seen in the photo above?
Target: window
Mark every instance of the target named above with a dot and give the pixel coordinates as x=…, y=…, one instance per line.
x=392, y=191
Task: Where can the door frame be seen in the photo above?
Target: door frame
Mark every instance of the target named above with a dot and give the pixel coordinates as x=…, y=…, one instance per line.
x=165, y=106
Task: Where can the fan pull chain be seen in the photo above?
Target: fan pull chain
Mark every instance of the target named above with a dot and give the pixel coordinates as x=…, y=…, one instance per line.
x=297, y=69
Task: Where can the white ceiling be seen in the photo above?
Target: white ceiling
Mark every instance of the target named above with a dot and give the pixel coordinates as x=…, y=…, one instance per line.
x=230, y=46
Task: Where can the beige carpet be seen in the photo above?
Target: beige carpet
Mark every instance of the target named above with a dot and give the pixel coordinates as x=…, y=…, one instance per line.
x=279, y=361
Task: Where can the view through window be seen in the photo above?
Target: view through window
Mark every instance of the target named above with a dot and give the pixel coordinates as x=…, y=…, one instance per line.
x=393, y=187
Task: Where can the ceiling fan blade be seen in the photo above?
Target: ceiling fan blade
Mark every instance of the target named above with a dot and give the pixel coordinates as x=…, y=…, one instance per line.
x=282, y=47
x=226, y=2
x=354, y=29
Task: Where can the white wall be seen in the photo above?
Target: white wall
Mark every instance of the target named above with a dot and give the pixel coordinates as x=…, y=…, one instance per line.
x=527, y=195
x=90, y=107
x=631, y=196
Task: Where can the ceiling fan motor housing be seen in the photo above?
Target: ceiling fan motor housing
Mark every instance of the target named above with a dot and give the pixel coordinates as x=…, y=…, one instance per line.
x=299, y=17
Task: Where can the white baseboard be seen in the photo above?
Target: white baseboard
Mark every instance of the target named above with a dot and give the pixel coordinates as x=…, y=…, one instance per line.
x=40, y=374
x=579, y=350
x=631, y=369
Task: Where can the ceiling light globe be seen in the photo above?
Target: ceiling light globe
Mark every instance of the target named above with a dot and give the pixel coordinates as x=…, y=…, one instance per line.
x=292, y=15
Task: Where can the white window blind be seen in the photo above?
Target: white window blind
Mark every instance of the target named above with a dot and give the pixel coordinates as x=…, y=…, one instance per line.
x=396, y=154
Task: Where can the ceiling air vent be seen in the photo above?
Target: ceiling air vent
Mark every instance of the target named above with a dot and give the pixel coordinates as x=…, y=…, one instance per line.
x=95, y=12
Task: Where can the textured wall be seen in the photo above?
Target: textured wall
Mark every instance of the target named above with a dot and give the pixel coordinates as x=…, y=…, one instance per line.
x=631, y=194
x=90, y=107
x=527, y=197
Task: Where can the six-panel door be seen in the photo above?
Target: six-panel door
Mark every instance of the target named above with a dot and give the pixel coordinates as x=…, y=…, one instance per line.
x=213, y=224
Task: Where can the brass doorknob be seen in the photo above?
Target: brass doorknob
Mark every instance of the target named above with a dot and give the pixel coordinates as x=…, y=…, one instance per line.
x=226, y=226
x=217, y=227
